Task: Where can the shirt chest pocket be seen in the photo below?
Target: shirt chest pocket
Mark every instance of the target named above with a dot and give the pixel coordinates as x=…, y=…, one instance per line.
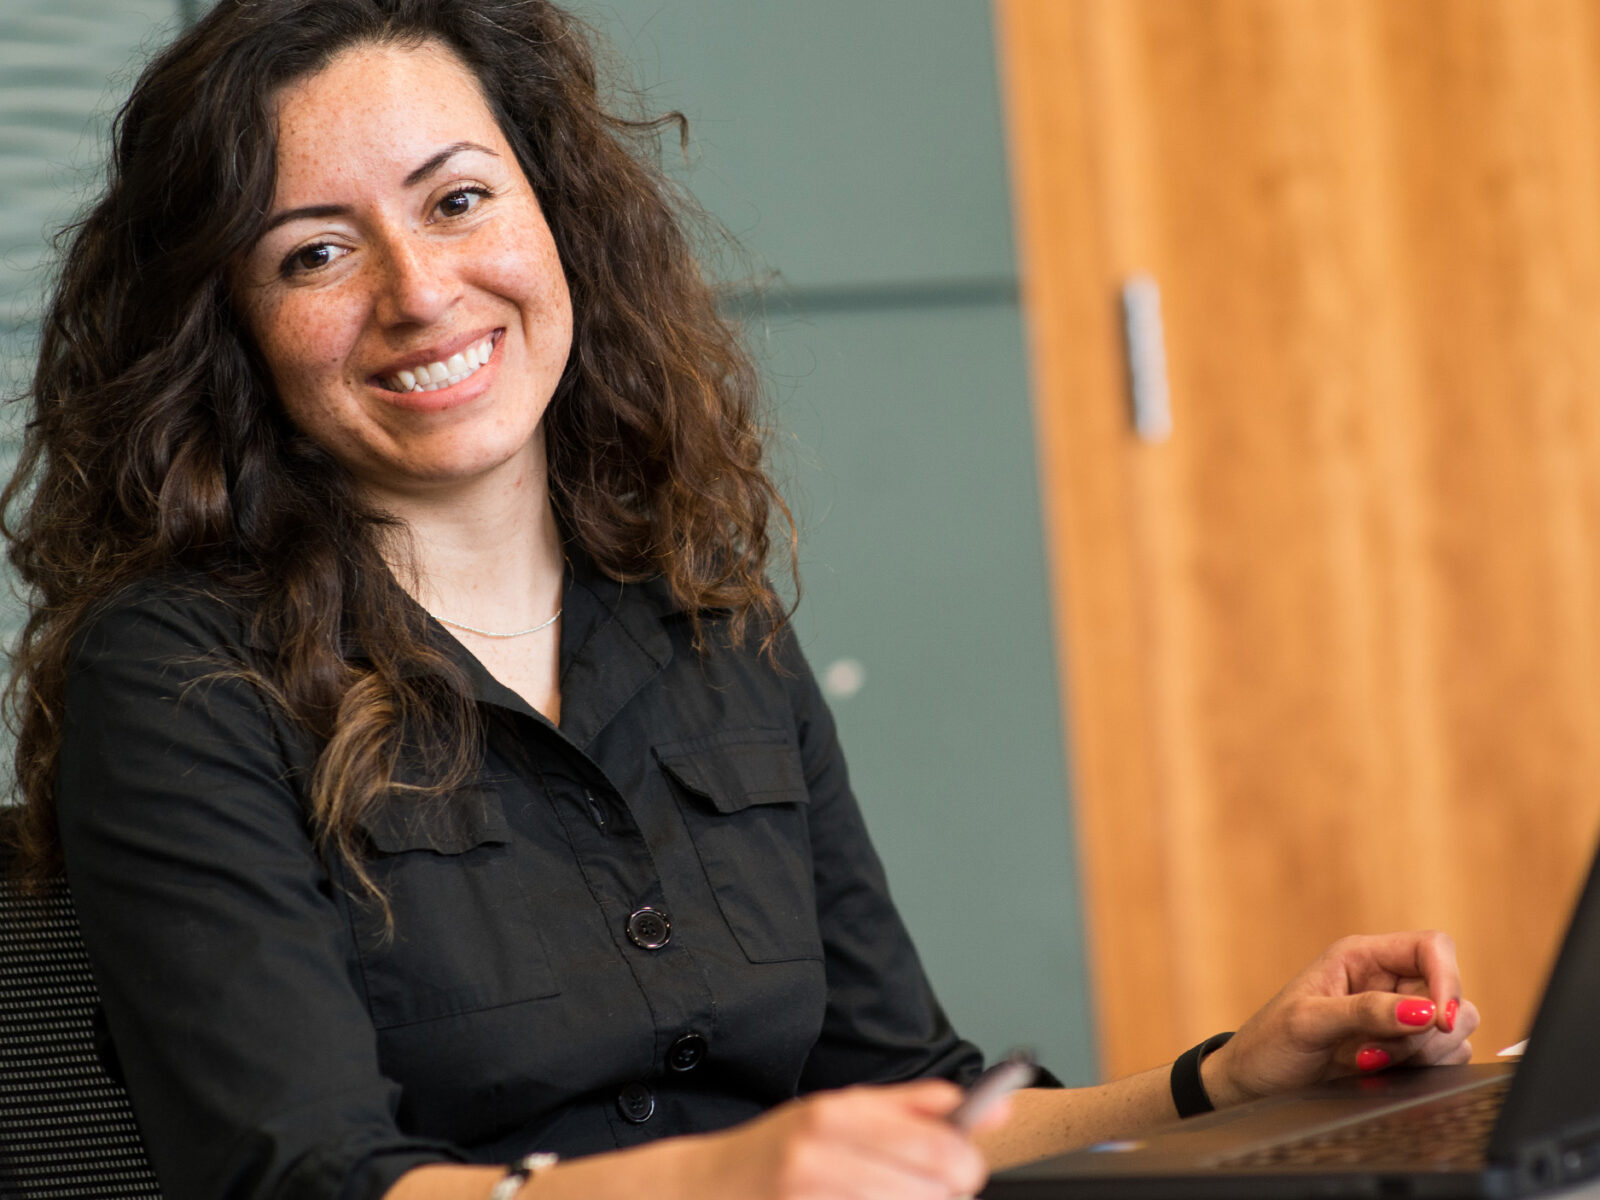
x=743, y=798
x=464, y=936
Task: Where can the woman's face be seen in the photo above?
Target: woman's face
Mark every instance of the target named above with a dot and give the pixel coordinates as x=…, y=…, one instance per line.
x=407, y=296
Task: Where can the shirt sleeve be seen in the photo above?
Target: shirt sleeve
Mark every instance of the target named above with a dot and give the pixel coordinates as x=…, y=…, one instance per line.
x=882, y=1023
x=223, y=957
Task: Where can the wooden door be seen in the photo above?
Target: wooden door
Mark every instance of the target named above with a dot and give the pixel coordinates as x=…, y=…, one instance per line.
x=1332, y=649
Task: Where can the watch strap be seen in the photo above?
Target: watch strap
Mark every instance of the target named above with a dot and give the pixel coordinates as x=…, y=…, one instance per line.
x=1188, y=1091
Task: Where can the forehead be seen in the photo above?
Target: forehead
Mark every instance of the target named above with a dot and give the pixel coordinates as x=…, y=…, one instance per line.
x=374, y=108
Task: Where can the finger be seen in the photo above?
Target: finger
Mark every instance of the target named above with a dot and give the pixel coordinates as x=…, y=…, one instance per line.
x=1418, y=1013
x=1422, y=1050
x=1431, y=1045
x=1437, y=954
x=867, y=1176
x=1427, y=954
x=1430, y=956
x=1442, y=1051
x=905, y=1127
x=941, y=1158
x=1362, y=1017
x=1457, y=1016
x=1419, y=1049
x=1370, y=1059
x=927, y=1097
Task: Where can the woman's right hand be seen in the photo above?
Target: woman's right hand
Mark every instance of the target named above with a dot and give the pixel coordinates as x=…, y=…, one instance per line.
x=891, y=1142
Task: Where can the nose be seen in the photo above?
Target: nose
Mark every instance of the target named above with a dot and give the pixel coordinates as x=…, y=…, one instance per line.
x=416, y=283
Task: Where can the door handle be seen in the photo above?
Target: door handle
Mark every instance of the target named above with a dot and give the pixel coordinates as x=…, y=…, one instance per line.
x=1147, y=358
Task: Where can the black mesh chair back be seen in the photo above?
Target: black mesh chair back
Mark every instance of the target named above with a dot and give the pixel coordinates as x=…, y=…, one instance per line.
x=66, y=1129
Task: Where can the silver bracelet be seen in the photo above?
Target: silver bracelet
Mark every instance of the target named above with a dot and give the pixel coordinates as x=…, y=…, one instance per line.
x=519, y=1172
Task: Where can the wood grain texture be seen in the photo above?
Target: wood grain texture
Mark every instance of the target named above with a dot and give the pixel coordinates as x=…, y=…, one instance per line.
x=1331, y=652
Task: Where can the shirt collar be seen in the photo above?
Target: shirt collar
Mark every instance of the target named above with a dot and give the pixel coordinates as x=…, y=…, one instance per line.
x=614, y=640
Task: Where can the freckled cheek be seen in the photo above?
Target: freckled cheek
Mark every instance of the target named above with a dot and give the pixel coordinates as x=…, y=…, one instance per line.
x=336, y=429
x=532, y=275
x=310, y=347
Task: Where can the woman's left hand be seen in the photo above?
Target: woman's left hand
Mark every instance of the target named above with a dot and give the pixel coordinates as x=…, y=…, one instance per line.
x=1367, y=1003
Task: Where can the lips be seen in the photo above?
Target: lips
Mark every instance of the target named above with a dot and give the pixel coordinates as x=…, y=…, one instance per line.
x=442, y=373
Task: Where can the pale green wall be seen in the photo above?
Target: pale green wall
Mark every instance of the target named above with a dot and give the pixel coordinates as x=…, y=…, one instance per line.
x=855, y=147
x=64, y=64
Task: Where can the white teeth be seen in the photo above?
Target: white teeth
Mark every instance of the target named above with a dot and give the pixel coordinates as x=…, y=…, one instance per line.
x=442, y=374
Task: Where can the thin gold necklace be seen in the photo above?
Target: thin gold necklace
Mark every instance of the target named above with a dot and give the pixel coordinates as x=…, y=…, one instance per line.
x=488, y=633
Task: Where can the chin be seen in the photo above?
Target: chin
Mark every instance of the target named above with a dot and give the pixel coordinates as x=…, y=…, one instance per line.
x=457, y=472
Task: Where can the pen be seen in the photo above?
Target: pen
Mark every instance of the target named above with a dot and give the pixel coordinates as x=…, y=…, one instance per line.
x=1015, y=1070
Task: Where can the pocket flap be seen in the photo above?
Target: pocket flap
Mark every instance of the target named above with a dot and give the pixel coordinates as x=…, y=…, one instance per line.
x=757, y=768
x=449, y=824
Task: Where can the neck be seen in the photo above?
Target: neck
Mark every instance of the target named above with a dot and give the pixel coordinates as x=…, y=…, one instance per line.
x=488, y=555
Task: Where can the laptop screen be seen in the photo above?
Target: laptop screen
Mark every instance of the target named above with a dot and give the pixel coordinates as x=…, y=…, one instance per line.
x=1554, y=1105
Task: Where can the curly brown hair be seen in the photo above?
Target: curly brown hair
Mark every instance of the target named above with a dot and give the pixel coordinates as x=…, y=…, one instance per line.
x=156, y=441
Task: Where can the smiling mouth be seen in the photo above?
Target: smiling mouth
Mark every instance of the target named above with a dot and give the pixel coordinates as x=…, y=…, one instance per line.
x=438, y=375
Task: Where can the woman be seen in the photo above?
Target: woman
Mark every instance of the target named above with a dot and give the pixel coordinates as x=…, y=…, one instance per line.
x=434, y=770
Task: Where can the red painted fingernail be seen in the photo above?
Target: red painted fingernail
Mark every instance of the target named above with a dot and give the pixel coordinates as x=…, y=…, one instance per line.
x=1450, y=1015
x=1414, y=1012
x=1372, y=1059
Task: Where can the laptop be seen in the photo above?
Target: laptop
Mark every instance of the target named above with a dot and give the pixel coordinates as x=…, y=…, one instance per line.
x=1523, y=1129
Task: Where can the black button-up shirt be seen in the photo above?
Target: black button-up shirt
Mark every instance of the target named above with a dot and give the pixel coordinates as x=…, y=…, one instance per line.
x=662, y=917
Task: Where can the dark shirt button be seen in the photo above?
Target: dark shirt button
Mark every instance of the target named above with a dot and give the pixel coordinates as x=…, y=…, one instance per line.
x=636, y=1103
x=649, y=929
x=686, y=1052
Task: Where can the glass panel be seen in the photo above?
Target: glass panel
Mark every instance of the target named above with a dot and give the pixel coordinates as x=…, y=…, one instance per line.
x=64, y=67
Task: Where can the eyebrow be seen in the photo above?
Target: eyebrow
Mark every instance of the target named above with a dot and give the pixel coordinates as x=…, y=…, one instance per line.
x=428, y=167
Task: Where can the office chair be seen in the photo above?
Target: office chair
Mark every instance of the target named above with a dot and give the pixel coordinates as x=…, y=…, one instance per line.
x=66, y=1128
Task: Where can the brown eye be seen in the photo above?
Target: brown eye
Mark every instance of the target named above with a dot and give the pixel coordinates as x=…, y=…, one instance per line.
x=311, y=258
x=461, y=201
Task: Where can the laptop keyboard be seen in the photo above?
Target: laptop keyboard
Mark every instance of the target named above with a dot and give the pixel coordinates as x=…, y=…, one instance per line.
x=1452, y=1131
